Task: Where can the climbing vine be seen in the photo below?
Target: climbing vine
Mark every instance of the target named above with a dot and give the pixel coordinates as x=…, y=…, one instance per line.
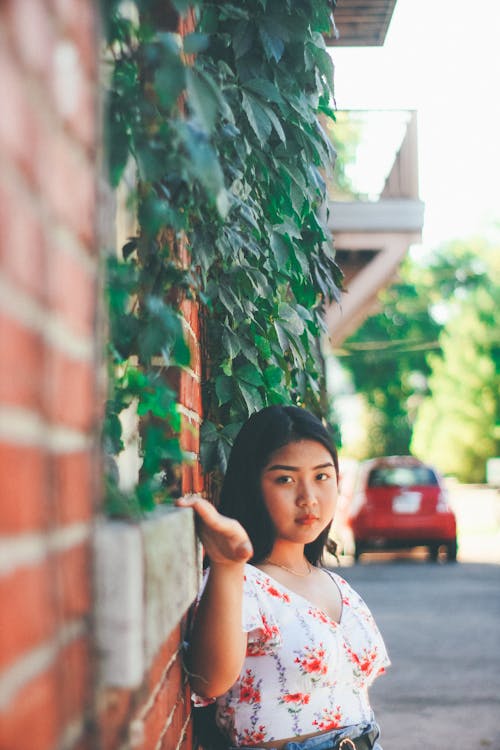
x=222, y=128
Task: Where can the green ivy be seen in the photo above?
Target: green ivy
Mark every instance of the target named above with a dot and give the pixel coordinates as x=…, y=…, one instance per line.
x=223, y=129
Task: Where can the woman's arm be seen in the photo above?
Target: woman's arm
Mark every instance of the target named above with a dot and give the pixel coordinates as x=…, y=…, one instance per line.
x=218, y=643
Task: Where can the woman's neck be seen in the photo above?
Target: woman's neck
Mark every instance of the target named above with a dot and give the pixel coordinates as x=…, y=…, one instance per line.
x=287, y=553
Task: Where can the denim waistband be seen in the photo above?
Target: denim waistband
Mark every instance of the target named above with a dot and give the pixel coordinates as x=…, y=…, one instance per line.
x=327, y=740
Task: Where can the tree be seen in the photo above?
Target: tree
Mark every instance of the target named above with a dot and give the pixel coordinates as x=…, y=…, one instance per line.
x=457, y=427
x=388, y=356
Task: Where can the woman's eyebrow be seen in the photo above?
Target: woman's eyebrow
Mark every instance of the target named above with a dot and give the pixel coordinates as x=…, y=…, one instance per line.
x=282, y=467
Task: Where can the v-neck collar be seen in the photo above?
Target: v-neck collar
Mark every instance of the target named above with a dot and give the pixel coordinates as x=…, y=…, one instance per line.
x=304, y=599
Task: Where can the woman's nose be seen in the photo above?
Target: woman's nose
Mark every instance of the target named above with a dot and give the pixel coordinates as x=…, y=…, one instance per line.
x=306, y=495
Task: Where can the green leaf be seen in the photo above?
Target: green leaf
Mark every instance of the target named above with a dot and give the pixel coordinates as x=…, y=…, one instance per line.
x=202, y=98
x=273, y=376
x=280, y=249
x=265, y=88
x=251, y=396
x=249, y=374
x=273, y=45
x=276, y=123
x=231, y=342
x=169, y=81
x=290, y=320
x=204, y=162
x=195, y=42
x=257, y=117
x=263, y=346
x=224, y=389
x=282, y=337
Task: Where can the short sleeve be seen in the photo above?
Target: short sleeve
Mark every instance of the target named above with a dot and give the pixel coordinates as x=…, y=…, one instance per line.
x=258, y=618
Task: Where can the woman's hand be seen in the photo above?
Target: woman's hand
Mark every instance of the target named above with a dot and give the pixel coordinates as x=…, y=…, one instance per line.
x=224, y=539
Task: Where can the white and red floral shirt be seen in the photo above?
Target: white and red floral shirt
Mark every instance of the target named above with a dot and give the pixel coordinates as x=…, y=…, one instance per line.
x=303, y=672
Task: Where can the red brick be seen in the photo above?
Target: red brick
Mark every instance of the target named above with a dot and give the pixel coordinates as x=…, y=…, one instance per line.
x=21, y=358
x=73, y=572
x=17, y=127
x=21, y=241
x=114, y=710
x=23, y=482
x=28, y=616
x=72, y=486
x=69, y=391
x=190, y=435
x=78, y=18
x=68, y=183
x=43, y=708
x=169, y=648
x=74, y=679
x=33, y=719
x=174, y=731
x=30, y=25
x=71, y=290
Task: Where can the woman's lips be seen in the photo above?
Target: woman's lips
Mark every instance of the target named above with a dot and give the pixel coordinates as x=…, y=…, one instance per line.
x=306, y=520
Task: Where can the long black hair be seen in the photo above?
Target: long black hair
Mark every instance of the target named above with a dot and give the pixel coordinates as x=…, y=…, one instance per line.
x=241, y=496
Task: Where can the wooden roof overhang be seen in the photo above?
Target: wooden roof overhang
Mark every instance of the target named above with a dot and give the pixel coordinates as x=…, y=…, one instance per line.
x=361, y=23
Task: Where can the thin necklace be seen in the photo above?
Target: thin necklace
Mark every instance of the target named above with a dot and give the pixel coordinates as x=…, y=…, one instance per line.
x=289, y=570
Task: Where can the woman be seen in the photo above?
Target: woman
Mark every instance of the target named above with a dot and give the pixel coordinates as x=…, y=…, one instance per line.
x=286, y=648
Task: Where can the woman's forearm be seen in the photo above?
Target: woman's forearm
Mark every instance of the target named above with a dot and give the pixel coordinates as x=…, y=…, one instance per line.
x=218, y=643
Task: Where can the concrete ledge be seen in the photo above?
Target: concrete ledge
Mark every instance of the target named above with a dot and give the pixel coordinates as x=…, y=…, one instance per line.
x=146, y=576
x=384, y=215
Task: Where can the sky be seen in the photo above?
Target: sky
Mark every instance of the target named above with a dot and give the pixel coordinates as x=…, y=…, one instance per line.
x=442, y=58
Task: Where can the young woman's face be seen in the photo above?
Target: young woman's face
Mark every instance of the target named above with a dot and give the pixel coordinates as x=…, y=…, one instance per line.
x=299, y=486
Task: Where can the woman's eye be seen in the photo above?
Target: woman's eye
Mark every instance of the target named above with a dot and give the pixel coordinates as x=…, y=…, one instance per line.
x=284, y=480
x=322, y=476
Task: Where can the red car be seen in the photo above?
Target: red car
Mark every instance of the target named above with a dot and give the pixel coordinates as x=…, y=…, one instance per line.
x=400, y=502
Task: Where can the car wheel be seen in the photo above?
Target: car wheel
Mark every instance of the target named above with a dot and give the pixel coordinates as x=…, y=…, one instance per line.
x=451, y=551
x=433, y=552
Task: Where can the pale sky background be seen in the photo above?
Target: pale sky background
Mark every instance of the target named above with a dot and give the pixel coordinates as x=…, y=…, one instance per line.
x=442, y=58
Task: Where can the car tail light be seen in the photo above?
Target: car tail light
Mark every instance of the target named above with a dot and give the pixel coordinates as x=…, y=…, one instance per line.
x=442, y=503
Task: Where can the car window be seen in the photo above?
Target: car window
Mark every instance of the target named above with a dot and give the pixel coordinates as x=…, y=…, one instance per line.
x=402, y=476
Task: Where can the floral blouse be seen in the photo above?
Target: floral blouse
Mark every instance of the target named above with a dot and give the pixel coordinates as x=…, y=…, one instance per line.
x=303, y=672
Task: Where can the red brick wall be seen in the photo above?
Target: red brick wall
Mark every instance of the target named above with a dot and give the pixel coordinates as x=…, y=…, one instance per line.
x=48, y=270
x=50, y=403
x=157, y=716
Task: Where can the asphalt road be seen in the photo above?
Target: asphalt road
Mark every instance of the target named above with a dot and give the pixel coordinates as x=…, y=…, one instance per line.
x=441, y=625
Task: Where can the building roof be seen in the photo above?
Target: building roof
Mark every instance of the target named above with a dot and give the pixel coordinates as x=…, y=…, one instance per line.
x=361, y=23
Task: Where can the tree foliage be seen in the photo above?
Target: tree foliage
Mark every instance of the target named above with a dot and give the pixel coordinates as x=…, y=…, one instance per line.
x=222, y=128
x=458, y=424
x=389, y=355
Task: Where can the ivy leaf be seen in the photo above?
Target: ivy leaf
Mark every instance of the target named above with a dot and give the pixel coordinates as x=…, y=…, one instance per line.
x=195, y=42
x=265, y=88
x=249, y=374
x=257, y=117
x=251, y=396
x=224, y=389
x=231, y=343
x=290, y=319
x=273, y=45
x=169, y=80
x=182, y=5
x=204, y=162
x=273, y=376
x=282, y=337
x=242, y=39
x=280, y=249
x=201, y=99
x=289, y=228
x=276, y=123
x=263, y=346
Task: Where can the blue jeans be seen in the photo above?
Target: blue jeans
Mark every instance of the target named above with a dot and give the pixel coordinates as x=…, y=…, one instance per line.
x=329, y=740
